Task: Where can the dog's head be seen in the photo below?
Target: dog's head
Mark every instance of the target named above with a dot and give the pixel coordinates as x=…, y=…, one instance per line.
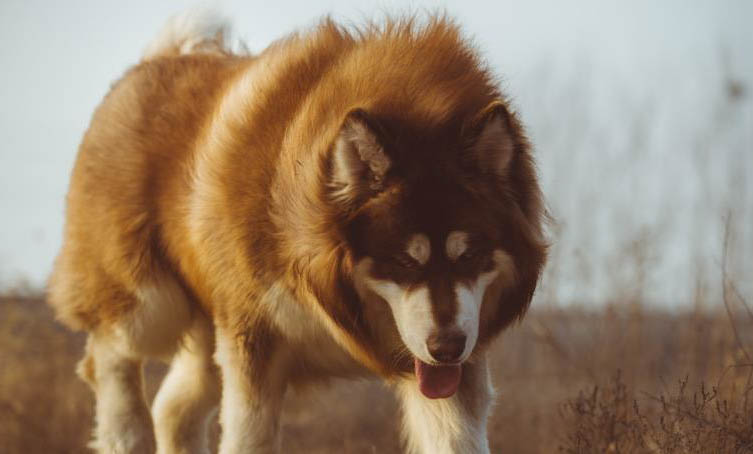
x=443, y=227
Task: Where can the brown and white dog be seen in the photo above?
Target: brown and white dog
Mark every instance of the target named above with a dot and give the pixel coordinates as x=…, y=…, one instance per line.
x=348, y=202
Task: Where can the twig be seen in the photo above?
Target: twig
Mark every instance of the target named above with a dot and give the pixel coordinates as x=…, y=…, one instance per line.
x=740, y=436
x=725, y=298
x=725, y=289
x=740, y=298
x=727, y=368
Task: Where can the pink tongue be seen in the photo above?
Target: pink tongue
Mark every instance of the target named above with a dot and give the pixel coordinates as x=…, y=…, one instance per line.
x=437, y=382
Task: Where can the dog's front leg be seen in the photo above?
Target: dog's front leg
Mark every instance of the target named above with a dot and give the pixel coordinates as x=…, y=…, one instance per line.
x=253, y=386
x=449, y=426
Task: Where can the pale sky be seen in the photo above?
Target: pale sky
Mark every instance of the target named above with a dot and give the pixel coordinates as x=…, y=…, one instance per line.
x=587, y=76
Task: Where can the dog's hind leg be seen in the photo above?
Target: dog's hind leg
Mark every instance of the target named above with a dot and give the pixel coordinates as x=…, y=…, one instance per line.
x=453, y=425
x=156, y=316
x=189, y=394
x=123, y=423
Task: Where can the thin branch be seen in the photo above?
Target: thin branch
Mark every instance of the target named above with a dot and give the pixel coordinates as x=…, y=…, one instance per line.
x=722, y=428
x=725, y=298
x=740, y=298
x=725, y=289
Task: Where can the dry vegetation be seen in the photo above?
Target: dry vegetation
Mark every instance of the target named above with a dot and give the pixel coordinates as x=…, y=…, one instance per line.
x=684, y=387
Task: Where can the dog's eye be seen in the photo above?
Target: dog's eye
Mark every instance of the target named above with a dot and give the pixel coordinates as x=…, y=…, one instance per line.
x=404, y=261
x=470, y=254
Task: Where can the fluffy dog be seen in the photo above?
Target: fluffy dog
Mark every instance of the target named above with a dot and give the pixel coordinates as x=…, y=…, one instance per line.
x=348, y=202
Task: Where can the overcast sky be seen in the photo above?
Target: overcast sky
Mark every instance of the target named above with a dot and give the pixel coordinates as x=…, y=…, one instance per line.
x=59, y=58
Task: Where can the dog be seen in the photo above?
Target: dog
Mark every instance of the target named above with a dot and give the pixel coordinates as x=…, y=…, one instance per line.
x=349, y=202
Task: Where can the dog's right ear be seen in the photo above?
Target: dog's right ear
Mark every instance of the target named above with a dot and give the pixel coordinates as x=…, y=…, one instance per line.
x=358, y=162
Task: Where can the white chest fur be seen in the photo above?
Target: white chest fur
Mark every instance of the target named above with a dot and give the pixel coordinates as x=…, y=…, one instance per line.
x=307, y=336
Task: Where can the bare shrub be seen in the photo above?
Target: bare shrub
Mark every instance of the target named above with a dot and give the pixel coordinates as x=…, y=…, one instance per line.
x=698, y=422
x=602, y=421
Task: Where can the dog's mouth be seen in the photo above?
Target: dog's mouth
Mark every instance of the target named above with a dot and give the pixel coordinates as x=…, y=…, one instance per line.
x=437, y=381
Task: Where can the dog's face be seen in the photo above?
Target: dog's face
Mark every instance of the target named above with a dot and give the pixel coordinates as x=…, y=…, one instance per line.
x=427, y=235
x=434, y=264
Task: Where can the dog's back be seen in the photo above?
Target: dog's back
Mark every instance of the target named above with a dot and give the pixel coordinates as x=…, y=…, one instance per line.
x=130, y=176
x=131, y=162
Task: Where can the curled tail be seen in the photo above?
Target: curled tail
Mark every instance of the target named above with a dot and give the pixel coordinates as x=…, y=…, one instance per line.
x=194, y=31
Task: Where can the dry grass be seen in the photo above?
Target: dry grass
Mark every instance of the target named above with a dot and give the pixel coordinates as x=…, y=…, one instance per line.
x=682, y=422
x=555, y=375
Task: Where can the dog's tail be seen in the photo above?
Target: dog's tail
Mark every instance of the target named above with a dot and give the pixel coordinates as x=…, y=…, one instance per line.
x=194, y=31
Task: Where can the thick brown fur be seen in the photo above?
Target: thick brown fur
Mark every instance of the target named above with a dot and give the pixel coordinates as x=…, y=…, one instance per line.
x=214, y=172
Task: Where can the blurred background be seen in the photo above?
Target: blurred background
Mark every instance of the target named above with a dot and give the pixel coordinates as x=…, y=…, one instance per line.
x=641, y=115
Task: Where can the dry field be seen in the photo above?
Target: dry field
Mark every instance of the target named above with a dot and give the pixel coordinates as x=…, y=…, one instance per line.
x=625, y=379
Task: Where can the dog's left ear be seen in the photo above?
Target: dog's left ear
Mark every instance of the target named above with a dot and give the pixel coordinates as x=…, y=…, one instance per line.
x=493, y=139
x=359, y=164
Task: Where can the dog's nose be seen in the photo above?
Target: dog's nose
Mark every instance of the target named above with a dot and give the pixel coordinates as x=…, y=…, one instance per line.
x=446, y=347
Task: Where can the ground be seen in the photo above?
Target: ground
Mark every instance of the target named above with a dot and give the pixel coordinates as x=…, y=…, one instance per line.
x=541, y=366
